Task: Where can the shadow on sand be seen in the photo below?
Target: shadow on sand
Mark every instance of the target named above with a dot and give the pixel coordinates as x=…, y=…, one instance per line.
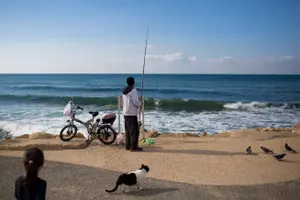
x=148, y=191
x=196, y=151
x=287, y=161
x=194, y=142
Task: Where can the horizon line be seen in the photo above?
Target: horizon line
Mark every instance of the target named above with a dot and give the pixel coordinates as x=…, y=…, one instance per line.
x=67, y=73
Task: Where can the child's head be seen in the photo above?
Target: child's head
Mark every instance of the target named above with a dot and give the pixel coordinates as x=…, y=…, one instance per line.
x=33, y=161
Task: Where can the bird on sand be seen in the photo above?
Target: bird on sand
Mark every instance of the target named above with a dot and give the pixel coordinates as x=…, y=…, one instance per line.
x=266, y=150
x=249, y=150
x=279, y=156
x=288, y=148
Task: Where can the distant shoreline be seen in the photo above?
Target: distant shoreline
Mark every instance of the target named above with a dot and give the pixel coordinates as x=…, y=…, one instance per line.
x=154, y=133
x=196, y=74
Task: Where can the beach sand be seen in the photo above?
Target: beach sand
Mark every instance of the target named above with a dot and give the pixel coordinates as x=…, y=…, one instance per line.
x=68, y=182
x=210, y=160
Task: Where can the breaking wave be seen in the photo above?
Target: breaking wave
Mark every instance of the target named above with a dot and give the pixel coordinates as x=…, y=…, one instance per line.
x=188, y=105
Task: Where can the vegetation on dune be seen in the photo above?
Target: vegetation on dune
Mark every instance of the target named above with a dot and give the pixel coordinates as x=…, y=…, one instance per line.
x=4, y=133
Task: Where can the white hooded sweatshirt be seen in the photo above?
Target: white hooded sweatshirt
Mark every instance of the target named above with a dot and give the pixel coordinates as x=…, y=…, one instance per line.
x=131, y=102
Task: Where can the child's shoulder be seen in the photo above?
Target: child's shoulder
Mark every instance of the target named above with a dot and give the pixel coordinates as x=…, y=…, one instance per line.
x=42, y=181
x=20, y=178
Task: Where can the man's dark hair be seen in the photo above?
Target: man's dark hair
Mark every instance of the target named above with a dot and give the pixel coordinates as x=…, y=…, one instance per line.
x=130, y=81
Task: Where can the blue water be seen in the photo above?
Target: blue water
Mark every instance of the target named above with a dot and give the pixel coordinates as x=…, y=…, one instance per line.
x=174, y=103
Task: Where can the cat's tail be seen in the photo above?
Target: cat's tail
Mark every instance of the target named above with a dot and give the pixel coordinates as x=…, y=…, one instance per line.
x=120, y=181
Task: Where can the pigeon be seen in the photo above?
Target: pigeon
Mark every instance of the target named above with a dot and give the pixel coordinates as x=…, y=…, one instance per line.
x=279, y=156
x=249, y=150
x=288, y=148
x=266, y=150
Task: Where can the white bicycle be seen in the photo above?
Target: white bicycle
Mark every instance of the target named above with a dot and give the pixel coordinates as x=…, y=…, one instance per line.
x=102, y=128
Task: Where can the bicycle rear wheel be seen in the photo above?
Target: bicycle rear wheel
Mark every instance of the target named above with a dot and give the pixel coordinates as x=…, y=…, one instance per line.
x=107, y=135
x=71, y=131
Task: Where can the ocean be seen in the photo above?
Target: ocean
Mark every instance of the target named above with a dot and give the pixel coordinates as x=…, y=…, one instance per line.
x=173, y=103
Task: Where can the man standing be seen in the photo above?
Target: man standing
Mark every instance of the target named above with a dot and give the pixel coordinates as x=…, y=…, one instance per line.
x=131, y=106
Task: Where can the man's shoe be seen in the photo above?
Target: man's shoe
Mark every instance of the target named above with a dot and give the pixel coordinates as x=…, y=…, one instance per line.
x=136, y=149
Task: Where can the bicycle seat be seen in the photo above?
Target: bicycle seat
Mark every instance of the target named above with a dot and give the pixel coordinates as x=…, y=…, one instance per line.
x=94, y=114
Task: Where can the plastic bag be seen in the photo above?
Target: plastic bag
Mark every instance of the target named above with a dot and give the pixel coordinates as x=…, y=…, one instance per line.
x=120, y=140
x=147, y=141
x=67, y=109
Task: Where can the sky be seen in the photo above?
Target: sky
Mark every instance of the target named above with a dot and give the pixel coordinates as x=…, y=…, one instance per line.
x=185, y=36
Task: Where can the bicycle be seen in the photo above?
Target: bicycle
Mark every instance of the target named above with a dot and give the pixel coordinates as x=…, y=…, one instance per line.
x=102, y=128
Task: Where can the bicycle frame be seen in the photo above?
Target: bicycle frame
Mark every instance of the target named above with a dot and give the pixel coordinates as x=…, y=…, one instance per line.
x=85, y=124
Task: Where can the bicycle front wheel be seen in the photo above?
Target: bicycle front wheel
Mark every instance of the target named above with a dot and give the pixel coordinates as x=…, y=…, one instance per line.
x=107, y=135
x=68, y=132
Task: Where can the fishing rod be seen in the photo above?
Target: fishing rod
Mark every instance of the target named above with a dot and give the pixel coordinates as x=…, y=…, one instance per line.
x=142, y=86
x=144, y=61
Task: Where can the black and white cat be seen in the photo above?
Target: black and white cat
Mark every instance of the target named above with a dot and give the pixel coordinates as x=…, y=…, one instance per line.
x=133, y=178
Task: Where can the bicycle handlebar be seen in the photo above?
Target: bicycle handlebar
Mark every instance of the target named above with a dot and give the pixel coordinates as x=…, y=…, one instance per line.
x=76, y=106
x=79, y=107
